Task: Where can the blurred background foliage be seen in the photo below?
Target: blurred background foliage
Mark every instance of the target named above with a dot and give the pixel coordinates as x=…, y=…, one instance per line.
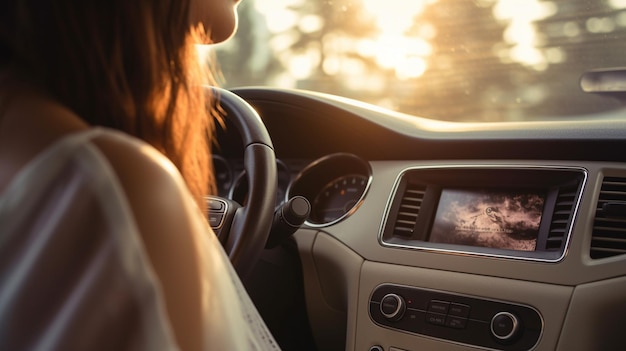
x=457, y=60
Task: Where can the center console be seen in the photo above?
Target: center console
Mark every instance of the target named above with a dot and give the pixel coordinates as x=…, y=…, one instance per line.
x=492, y=216
x=464, y=319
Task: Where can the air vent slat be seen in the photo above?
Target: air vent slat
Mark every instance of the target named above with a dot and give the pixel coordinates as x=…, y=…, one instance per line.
x=609, y=233
x=413, y=200
x=564, y=205
x=610, y=229
x=610, y=181
x=564, y=213
x=562, y=216
x=614, y=193
x=609, y=252
x=560, y=221
x=414, y=193
x=406, y=232
x=410, y=205
x=612, y=196
x=612, y=221
x=611, y=240
x=399, y=221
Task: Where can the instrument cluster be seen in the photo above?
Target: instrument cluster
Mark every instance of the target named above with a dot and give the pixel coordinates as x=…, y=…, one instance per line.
x=335, y=185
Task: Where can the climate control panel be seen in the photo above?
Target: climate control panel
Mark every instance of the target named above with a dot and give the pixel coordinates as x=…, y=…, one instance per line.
x=464, y=319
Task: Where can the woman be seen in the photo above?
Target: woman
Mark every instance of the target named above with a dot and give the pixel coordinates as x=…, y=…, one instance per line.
x=116, y=208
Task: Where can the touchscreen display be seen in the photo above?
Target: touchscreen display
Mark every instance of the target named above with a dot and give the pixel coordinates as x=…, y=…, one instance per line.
x=487, y=218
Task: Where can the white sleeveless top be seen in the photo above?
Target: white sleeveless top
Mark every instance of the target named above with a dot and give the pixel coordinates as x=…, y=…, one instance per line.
x=74, y=274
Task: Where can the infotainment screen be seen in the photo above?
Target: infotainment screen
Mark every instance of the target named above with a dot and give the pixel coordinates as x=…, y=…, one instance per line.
x=488, y=218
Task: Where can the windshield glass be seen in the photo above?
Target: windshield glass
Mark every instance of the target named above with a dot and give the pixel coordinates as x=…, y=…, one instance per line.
x=458, y=60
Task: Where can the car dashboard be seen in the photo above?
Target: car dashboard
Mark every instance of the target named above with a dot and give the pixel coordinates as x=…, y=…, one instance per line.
x=430, y=235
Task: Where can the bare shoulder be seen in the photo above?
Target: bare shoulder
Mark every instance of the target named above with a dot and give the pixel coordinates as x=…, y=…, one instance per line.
x=161, y=207
x=145, y=173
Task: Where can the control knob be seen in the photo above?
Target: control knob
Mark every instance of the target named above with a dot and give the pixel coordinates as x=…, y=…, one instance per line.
x=505, y=326
x=392, y=307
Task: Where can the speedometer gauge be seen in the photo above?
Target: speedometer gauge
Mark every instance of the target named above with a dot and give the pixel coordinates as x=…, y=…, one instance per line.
x=335, y=185
x=338, y=197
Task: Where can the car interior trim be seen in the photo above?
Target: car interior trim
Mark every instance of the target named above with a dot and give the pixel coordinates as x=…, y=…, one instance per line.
x=465, y=250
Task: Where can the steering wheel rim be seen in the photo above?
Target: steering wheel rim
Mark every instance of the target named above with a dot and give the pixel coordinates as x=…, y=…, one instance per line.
x=251, y=224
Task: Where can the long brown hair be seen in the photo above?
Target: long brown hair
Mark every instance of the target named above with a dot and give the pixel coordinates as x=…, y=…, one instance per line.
x=124, y=64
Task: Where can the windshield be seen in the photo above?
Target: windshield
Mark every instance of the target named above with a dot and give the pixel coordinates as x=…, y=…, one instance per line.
x=474, y=60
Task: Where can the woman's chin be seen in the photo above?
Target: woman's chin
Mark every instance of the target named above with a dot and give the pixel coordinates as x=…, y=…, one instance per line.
x=219, y=18
x=222, y=33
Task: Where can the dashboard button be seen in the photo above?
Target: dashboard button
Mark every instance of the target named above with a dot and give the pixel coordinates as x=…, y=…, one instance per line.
x=456, y=322
x=392, y=306
x=437, y=319
x=216, y=205
x=459, y=310
x=215, y=220
x=504, y=326
x=436, y=306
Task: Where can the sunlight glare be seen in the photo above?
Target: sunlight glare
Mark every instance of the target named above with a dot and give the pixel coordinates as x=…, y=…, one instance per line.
x=521, y=33
x=310, y=24
x=402, y=54
x=600, y=25
x=277, y=13
x=301, y=66
x=332, y=65
x=284, y=79
x=413, y=67
x=392, y=48
x=371, y=83
x=571, y=29
x=283, y=41
x=394, y=16
x=395, y=50
x=353, y=67
x=617, y=4
x=204, y=52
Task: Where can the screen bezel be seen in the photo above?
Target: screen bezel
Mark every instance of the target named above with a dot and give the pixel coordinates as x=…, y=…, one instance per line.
x=435, y=179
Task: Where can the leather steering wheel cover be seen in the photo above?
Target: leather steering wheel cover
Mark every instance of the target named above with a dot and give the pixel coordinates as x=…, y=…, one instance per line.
x=245, y=118
x=252, y=223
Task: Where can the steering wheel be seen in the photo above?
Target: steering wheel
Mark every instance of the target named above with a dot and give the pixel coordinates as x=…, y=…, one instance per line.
x=243, y=230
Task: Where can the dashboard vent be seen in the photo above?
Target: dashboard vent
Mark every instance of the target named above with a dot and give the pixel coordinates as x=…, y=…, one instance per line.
x=410, y=205
x=563, y=211
x=609, y=232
